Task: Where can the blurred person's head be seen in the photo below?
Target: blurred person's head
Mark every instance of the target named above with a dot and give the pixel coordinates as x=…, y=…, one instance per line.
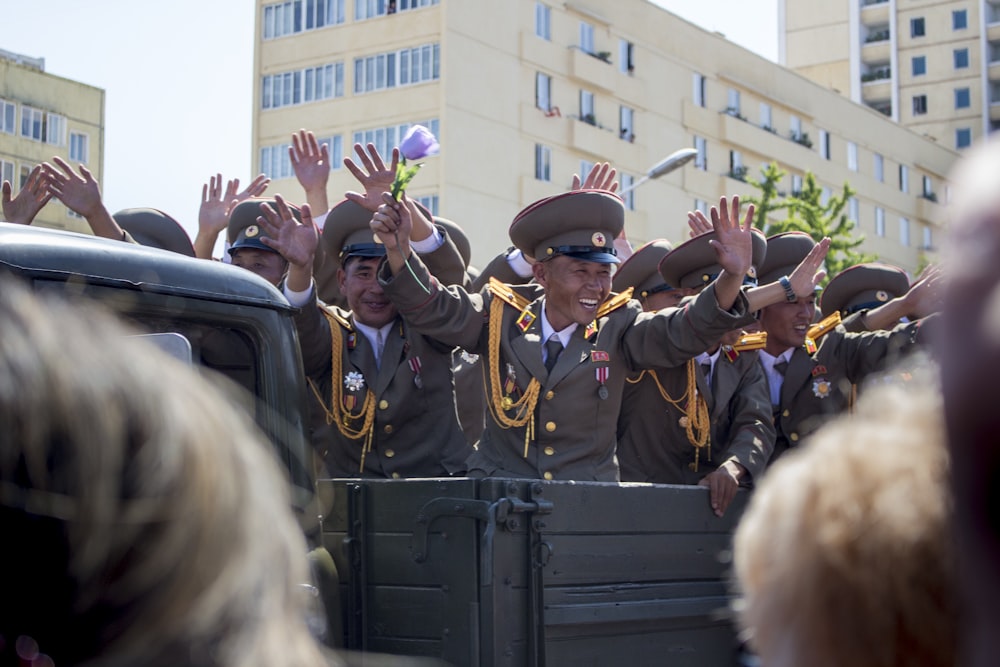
x=844, y=556
x=145, y=521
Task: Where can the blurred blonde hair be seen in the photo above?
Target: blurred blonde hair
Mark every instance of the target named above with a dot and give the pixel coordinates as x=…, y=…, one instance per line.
x=844, y=556
x=145, y=520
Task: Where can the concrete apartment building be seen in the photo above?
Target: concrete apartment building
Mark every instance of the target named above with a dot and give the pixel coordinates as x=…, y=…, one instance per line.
x=42, y=115
x=931, y=65
x=523, y=94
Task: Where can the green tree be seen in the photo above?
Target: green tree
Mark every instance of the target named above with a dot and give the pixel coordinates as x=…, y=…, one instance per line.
x=805, y=212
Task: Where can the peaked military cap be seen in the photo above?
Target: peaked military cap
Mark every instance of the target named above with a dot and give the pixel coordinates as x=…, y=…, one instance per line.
x=581, y=224
x=347, y=233
x=454, y=232
x=693, y=264
x=863, y=286
x=244, y=231
x=155, y=229
x=641, y=272
x=784, y=252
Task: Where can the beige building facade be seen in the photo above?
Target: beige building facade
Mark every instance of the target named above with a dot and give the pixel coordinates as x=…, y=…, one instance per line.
x=525, y=93
x=42, y=115
x=930, y=65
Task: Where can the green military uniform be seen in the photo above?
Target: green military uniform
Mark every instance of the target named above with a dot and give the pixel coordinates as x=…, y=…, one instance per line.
x=395, y=419
x=860, y=288
x=819, y=378
x=558, y=424
x=662, y=434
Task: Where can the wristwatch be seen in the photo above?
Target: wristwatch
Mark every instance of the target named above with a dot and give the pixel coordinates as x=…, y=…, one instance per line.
x=786, y=285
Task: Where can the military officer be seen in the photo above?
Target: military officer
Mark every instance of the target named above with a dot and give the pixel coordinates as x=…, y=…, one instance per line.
x=875, y=296
x=556, y=353
x=707, y=422
x=384, y=393
x=247, y=248
x=811, y=370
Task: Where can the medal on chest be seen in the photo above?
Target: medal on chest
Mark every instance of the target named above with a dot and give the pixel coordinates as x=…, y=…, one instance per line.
x=415, y=366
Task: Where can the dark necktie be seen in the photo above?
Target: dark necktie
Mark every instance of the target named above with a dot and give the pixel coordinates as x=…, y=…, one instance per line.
x=781, y=367
x=553, y=347
x=706, y=369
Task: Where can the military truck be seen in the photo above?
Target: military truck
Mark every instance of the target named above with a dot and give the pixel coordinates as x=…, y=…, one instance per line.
x=472, y=572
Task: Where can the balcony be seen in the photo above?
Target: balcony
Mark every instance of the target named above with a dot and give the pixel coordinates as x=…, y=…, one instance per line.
x=993, y=71
x=874, y=12
x=995, y=110
x=873, y=53
x=591, y=68
x=588, y=136
x=993, y=31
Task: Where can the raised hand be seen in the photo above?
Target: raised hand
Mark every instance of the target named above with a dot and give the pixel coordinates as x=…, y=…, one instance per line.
x=311, y=164
x=376, y=178
x=23, y=208
x=733, y=242
x=698, y=223
x=926, y=295
x=213, y=214
x=807, y=275
x=79, y=192
x=295, y=241
x=601, y=177
x=256, y=188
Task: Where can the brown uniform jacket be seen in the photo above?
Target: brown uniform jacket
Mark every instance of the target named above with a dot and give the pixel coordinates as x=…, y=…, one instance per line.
x=653, y=445
x=575, y=419
x=818, y=386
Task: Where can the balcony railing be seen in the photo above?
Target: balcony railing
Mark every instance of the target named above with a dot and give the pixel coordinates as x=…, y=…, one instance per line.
x=869, y=3
x=877, y=75
x=880, y=36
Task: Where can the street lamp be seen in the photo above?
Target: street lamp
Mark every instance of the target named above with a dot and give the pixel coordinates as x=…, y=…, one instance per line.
x=675, y=160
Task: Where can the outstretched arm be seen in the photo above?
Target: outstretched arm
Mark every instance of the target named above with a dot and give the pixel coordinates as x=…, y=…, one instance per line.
x=311, y=164
x=803, y=280
x=391, y=223
x=295, y=241
x=23, y=208
x=374, y=175
x=733, y=249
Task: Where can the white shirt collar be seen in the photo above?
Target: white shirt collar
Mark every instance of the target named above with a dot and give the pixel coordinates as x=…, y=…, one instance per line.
x=547, y=330
x=371, y=333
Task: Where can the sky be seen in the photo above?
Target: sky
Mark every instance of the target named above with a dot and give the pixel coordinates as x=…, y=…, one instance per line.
x=178, y=81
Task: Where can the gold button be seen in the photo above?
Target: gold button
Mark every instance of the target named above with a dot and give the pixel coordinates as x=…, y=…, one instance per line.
x=395, y=475
x=549, y=395
x=547, y=475
x=549, y=451
x=389, y=453
x=383, y=404
x=785, y=413
x=550, y=426
x=794, y=437
x=388, y=428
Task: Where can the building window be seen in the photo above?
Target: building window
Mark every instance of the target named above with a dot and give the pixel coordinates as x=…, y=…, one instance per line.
x=543, y=21
x=928, y=187
x=919, y=105
x=79, y=147
x=962, y=98
x=55, y=129
x=366, y=9
x=961, y=58
x=286, y=18
x=959, y=19
x=306, y=85
x=335, y=145
x=796, y=185
x=626, y=56
x=736, y=168
x=587, y=107
x=795, y=125
x=430, y=202
x=879, y=221
x=879, y=168
x=928, y=239
x=626, y=118
x=7, y=172
x=917, y=27
x=543, y=163
x=766, y=121
x=919, y=65
x=586, y=37
x=387, y=138
x=853, y=209
x=543, y=91
x=701, y=160
x=904, y=178
x=701, y=205
x=733, y=102
x=274, y=161
x=824, y=144
x=8, y=117
x=628, y=192
x=963, y=137
x=416, y=65
x=698, y=89
x=32, y=123
x=904, y=232
x=852, y=156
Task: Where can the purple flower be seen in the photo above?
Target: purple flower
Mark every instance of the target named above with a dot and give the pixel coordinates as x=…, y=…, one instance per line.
x=418, y=143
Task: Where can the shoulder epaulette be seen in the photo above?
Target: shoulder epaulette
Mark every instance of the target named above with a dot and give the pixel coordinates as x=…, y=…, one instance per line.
x=337, y=316
x=751, y=341
x=503, y=292
x=615, y=302
x=824, y=326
